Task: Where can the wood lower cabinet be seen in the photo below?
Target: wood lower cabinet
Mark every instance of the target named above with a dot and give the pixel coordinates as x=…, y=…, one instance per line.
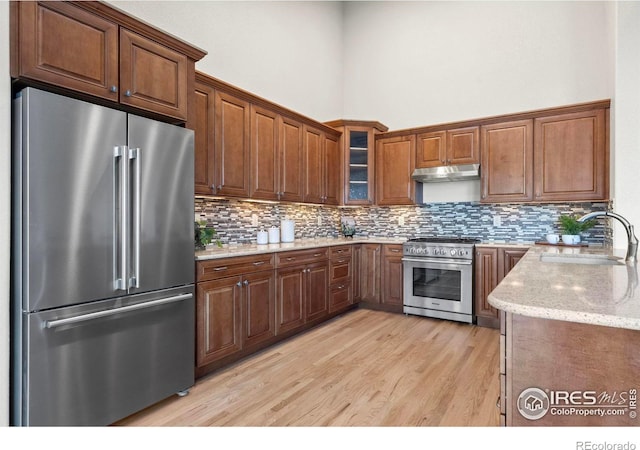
x=577, y=362
x=395, y=162
x=370, y=273
x=90, y=48
x=235, y=307
x=357, y=263
x=341, y=278
x=492, y=264
x=392, y=280
x=219, y=319
x=302, y=291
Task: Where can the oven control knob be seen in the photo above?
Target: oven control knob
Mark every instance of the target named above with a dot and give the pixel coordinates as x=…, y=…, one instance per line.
x=461, y=252
x=453, y=252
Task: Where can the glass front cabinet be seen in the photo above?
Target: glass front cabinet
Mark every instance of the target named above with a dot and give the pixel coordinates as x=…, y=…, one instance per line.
x=358, y=160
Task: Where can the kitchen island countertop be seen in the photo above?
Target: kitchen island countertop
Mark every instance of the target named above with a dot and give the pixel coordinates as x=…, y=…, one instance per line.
x=606, y=295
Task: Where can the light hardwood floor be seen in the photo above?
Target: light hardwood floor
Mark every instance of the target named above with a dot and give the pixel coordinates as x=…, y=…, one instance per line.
x=365, y=368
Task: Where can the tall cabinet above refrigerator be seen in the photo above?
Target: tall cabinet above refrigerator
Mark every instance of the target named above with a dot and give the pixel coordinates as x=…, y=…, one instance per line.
x=102, y=261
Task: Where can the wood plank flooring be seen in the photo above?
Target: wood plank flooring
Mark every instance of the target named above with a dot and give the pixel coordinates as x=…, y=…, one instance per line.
x=365, y=368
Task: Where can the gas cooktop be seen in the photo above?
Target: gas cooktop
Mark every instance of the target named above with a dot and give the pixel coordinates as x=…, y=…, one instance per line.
x=445, y=240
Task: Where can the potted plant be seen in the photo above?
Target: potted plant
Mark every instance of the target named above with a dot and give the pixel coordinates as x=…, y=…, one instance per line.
x=571, y=228
x=205, y=235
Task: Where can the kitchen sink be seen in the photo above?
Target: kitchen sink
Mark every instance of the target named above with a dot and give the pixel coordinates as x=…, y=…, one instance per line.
x=594, y=260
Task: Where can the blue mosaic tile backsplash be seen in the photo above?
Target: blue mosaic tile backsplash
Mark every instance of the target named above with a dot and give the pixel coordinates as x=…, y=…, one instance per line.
x=232, y=220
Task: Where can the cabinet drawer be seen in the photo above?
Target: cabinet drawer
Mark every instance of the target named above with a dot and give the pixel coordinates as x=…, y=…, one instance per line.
x=392, y=249
x=285, y=259
x=220, y=268
x=341, y=297
x=340, y=270
x=341, y=252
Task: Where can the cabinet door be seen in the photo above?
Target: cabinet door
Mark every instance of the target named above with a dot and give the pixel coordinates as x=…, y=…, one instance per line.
x=370, y=273
x=395, y=161
x=313, y=165
x=317, y=290
x=359, y=164
x=291, y=175
x=152, y=77
x=507, y=162
x=290, y=295
x=510, y=257
x=571, y=157
x=264, y=154
x=259, y=307
x=218, y=320
x=431, y=149
x=392, y=281
x=232, y=145
x=202, y=125
x=463, y=146
x=356, y=261
x=332, y=170
x=68, y=47
x=486, y=280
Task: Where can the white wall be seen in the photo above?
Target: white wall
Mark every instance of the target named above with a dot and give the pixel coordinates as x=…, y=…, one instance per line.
x=5, y=205
x=286, y=52
x=626, y=109
x=416, y=63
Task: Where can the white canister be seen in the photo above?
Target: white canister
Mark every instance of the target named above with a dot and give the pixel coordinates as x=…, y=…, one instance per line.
x=287, y=229
x=263, y=237
x=274, y=235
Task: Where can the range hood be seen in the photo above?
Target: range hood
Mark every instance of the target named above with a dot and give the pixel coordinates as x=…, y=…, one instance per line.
x=447, y=173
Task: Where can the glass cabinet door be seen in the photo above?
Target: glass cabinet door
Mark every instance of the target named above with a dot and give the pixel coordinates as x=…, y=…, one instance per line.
x=358, y=182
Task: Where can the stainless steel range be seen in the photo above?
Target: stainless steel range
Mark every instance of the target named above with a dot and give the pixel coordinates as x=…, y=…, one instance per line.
x=438, y=278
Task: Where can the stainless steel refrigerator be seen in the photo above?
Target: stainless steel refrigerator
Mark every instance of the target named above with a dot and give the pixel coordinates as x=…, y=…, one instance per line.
x=102, y=261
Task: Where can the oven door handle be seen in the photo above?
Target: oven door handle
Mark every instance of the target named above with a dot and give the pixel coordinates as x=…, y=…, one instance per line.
x=462, y=262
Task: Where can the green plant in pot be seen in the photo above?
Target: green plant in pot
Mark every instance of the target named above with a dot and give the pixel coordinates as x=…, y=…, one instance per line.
x=205, y=235
x=571, y=228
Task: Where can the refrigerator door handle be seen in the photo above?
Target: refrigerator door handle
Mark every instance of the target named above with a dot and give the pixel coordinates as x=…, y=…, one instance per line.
x=121, y=219
x=111, y=312
x=134, y=281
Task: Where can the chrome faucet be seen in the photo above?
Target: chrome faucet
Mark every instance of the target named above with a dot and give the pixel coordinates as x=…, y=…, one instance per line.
x=632, y=245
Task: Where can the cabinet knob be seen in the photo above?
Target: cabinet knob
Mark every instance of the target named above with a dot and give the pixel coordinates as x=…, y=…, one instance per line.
x=127, y=93
x=219, y=187
x=246, y=282
x=113, y=89
x=239, y=284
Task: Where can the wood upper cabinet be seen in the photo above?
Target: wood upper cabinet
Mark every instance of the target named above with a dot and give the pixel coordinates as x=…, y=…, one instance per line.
x=232, y=145
x=152, y=77
x=395, y=162
x=265, y=154
x=202, y=123
x=571, y=157
x=93, y=49
x=448, y=147
x=492, y=264
x=392, y=280
x=321, y=160
x=314, y=159
x=291, y=177
x=332, y=170
x=507, y=162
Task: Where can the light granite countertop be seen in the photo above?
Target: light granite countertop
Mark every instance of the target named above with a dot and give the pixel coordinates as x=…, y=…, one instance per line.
x=299, y=244
x=597, y=294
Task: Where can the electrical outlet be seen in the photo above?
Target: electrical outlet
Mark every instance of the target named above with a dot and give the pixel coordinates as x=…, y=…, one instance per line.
x=497, y=221
x=254, y=220
x=401, y=221
x=319, y=220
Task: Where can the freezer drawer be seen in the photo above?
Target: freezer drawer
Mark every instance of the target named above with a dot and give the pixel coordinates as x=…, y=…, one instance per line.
x=97, y=363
